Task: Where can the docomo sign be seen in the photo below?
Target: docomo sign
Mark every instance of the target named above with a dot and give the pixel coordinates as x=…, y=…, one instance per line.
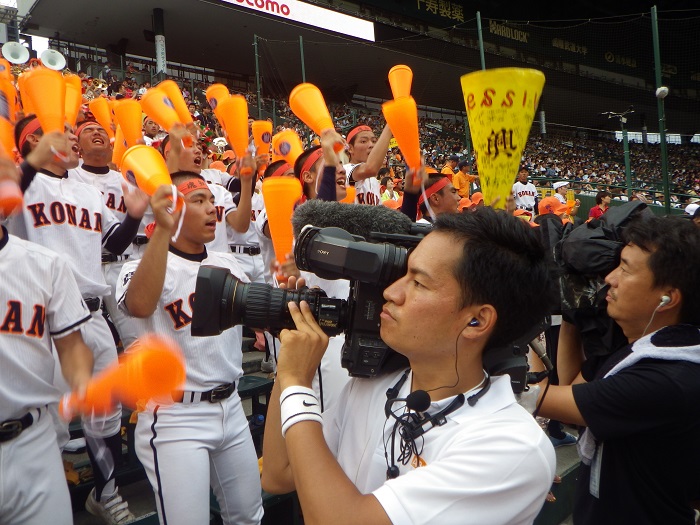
x=311, y=15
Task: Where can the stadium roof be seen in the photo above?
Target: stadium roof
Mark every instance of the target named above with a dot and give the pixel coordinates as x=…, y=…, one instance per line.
x=219, y=35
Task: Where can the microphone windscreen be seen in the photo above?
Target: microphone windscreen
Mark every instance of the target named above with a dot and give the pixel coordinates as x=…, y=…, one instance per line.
x=418, y=401
x=357, y=219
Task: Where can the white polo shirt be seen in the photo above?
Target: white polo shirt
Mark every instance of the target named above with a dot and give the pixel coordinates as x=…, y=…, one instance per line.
x=490, y=463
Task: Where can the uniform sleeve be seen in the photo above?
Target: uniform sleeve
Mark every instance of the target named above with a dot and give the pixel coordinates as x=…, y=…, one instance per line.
x=109, y=222
x=229, y=205
x=66, y=311
x=260, y=222
x=123, y=281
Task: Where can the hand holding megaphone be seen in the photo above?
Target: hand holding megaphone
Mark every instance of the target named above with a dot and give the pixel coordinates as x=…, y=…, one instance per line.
x=152, y=366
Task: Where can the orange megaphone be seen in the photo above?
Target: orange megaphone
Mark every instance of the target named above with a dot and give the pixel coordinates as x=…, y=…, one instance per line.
x=119, y=147
x=99, y=108
x=26, y=101
x=307, y=103
x=400, y=78
x=402, y=116
x=171, y=89
x=5, y=70
x=145, y=167
x=11, y=198
x=216, y=93
x=74, y=98
x=152, y=366
x=286, y=145
x=7, y=117
x=47, y=92
x=157, y=105
x=128, y=113
x=262, y=136
x=280, y=195
x=349, y=195
x=233, y=113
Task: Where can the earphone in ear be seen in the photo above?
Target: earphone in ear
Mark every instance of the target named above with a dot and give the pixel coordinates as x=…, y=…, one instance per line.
x=475, y=322
x=665, y=299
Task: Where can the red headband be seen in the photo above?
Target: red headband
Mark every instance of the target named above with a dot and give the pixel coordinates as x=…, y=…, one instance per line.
x=29, y=129
x=310, y=160
x=191, y=185
x=84, y=125
x=433, y=189
x=355, y=131
x=280, y=170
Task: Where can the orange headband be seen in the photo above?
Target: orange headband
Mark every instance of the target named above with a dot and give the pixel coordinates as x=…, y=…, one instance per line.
x=191, y=185
x=84, y=125
x=29, y=129
x=280, y=170
x=355, y=131
x=433, y=189
x=310, y=160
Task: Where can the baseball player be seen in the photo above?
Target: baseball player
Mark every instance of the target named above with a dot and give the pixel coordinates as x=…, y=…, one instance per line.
x=96, y=153
x=525, y=193
x=71, y=218
x=200, y=436
x=39, y=302
x=367, y=155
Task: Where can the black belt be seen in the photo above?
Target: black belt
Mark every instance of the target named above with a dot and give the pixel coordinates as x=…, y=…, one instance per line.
x=110, y=258
x=140, y=240
x=12, y=428
x=93, y=303
x=249, y=250
x=214, y=395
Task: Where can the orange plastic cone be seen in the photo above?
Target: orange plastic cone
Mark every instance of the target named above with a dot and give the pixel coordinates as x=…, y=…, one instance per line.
x=400, y=79
x=26, y=101
x=157, y=105
x=286, y=145
x=11, y=198
x=262, y=136
x=145, y=167
x=402, y=116
x=8, y=98
x=216, y=93
x=233, y=113
x=5, y=70
x=99, y=108
x=171, y=89
x=307, y=103
x=152, y=366
x=500, y=123
x=119, y=147
x=128, y=112
x=350, y=195
x=47, y=92
x=74, y=98
x=280, y=195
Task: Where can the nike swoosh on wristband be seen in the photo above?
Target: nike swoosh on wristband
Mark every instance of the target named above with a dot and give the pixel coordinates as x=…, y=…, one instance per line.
x=309, y=404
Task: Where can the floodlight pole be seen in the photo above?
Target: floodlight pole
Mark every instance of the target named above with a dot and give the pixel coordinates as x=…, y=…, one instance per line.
x=481, y=40
x=257, y=76
x=660, y=108
x=626, y=148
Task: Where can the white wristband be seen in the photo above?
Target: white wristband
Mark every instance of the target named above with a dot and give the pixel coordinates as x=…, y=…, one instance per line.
x=297, y=404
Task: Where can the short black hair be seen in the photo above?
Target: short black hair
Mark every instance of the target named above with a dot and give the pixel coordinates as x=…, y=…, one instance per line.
x=503, y=264
x=181, y=176
x=19, y=127
x=601, y=195
x=299, y=163
x=673, y=244
x=433, y=178
x=272, y=167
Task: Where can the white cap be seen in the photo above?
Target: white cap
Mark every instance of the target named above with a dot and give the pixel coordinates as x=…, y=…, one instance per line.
x=559, y=184
x=690, y=208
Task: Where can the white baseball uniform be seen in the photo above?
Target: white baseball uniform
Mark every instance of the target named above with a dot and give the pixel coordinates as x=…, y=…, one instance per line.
x=366, y=190
x=39, y=300
x=72, y=219
x=109, y=182
x=246, y=246
x=187, y=446
x=525, y=195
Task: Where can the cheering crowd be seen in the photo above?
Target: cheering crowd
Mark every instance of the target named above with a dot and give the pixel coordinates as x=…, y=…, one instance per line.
x=437, y=441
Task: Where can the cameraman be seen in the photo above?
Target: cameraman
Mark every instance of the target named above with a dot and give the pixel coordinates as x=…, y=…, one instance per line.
x=639, y=452
x=487, y=461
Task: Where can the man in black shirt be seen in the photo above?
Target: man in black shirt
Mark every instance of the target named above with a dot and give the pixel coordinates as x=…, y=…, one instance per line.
x=639, y=452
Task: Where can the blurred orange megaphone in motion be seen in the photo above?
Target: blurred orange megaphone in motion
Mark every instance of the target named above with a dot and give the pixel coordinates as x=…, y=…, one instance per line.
x=233, y=113
x=145, y=167
x=216, y=93
x=74, y=98
x=119, y=147
x=7, y=117
x=402, y=116
x=152, y=366
x=307, y=103
x=99, y=108
x=349, y=195
x=171, y=89
x=11, y=198
x=128, y=113
x=262, y=136
x=157, y=105
x=400, y=79
x=47, y=92
x=27, y=106
x=286, y=145
x=280, y=195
